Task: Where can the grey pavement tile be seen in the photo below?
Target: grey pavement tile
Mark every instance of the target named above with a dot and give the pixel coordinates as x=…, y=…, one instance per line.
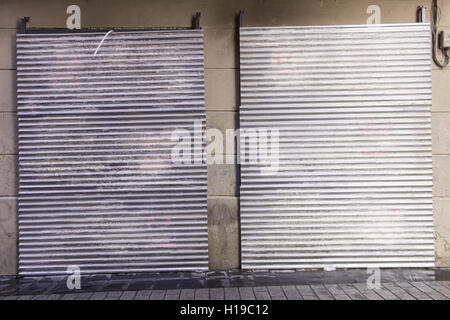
x=307, y=292
x=84, y=296
x=291, y=293
x=143, y=295
x=279, y=298
x=201, y=294
x=24, y=289
x=416, y=293
x=439, y=287
x=398, y=291
x=428, y=290
x=390, y=290
x=262, y=295
x=113, y=295
x=69, y=296
x=246, y=293
x=217, y=294
x=385, y=294
x=173, y=294
x=158, y=295
x=321, y=292
x=98, y=296
x=337, y=292
x=187, y=294
x=444, y=283
x=369, y=293
x=275, y=291
x=352, y=292
x=395, y=286
x=128, y=295
x=232, y=294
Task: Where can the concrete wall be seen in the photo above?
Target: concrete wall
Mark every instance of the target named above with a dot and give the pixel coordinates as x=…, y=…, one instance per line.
x=220, y=81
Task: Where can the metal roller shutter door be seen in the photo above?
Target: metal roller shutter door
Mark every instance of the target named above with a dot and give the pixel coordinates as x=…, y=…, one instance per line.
x=352, y=105
x=98, y=186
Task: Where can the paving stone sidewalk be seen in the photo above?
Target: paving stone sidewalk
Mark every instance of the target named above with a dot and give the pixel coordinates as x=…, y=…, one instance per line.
x=413, y=290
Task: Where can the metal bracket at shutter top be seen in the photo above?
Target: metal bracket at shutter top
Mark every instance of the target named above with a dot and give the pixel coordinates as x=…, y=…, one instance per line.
x=25, y=20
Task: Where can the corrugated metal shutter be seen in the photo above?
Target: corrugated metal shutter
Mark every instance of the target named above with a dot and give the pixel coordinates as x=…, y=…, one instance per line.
x=352, y=105
x=98, y=186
